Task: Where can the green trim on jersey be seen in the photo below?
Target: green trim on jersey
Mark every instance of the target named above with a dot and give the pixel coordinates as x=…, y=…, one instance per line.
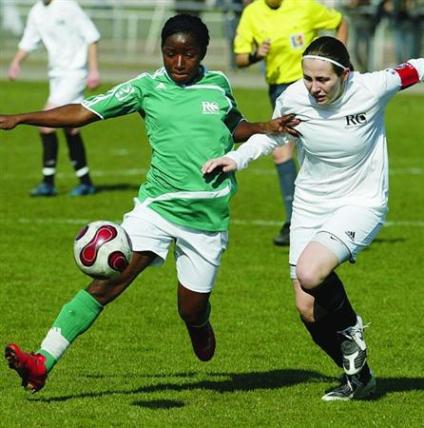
x=186, y=125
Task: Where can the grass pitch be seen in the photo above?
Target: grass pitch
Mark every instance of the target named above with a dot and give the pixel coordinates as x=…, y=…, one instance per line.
x=135, y=366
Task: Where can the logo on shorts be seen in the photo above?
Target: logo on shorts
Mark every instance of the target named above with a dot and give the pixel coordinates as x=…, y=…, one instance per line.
x=350, y=234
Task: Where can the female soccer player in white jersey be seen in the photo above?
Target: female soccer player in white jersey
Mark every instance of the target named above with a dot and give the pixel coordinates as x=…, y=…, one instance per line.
x=70, y=38
x=341, y=192
x=190, y=116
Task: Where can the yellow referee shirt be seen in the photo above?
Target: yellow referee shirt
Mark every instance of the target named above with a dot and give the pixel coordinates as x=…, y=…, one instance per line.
x=291, y=28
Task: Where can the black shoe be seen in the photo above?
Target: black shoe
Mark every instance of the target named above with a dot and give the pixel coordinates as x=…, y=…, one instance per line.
x=356, y=387
x=283, y=238
x=203, y=341
x=44, y=189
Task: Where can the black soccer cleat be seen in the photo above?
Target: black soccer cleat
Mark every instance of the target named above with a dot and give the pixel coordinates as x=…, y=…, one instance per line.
x=283, y=237
x=355, y=387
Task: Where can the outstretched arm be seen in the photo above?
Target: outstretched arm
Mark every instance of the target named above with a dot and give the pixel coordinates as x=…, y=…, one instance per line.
x=283, y=124
x=257, y=145
x=70, y=115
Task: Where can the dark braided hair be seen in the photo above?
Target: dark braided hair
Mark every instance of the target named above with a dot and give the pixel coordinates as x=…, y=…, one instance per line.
x=332, y=48
x=187, y=24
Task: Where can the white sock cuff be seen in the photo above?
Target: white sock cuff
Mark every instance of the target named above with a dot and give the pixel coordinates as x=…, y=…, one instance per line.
x=54, y=343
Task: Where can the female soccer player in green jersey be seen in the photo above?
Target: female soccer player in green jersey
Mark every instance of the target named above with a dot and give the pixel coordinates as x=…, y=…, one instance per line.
x=190, y=116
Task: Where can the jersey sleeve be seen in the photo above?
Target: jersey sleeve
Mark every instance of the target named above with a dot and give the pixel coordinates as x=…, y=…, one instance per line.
x=244, y=38
x=31, y=38
x=233, y=117
x=123, y=99
x=387, y=83
x=323, y=18
x=256, y=146
x=83, y=23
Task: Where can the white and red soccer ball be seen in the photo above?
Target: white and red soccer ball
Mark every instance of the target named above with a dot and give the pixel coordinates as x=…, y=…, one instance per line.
x=102, y=249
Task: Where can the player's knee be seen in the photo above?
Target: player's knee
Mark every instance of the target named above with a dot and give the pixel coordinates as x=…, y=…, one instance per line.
x=308, y=276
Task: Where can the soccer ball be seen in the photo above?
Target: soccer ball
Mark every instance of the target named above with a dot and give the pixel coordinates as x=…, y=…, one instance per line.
x=102, y=249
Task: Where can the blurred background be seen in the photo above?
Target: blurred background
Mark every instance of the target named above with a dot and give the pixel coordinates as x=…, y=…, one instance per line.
x=382, y=33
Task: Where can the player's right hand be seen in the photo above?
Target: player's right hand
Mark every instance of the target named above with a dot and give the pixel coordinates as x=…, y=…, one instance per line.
x=8, y=122
x=14, y=71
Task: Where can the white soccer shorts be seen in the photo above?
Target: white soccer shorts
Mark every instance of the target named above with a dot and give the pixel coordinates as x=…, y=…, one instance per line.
x=197, y=253
x=66, y=89
x=353, y=227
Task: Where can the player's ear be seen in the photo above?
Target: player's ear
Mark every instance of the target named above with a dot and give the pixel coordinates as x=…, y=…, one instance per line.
x=345, y=74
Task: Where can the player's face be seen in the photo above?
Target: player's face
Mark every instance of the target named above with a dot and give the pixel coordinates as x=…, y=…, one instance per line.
x=181, y=57
x=321, y=80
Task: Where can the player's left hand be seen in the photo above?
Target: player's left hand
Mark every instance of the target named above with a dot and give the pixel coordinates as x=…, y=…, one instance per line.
x=224, y=163
x=285, y=123
x=93, y=79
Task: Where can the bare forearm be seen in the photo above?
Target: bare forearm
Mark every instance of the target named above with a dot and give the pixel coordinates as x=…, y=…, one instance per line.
x=92, y=57
x=19, y=57
x=70, y=115
x=246, y=129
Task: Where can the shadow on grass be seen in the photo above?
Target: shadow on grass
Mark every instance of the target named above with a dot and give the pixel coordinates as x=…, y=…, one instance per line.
x=158, y=404
x=386, y=385
x=234, y=382
x=117, y=187
x=388, y=240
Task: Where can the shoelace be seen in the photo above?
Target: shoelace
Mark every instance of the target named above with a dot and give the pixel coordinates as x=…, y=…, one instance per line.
x=355, y=333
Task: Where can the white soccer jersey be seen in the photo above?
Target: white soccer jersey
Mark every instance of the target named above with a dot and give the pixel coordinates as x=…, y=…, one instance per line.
x=344, y=143
x=65, y=30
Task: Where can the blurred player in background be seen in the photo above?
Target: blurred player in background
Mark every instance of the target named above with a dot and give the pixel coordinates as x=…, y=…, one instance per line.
x=70, y=38
x=190, y=116
x=278, y=31
x=341, y=194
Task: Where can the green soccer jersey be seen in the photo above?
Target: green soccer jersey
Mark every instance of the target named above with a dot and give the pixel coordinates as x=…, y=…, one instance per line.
x=186, y=125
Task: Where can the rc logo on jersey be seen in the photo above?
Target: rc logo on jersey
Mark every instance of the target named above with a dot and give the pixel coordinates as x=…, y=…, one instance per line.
x=356, y=119
x=210, y=107
x=160, y=85
x=124, y=92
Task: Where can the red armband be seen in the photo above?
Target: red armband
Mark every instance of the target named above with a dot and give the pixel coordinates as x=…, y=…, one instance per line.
x=408, y=74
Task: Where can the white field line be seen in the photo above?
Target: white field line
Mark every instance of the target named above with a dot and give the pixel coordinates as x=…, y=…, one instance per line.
x=132, y=172
x=237, y=222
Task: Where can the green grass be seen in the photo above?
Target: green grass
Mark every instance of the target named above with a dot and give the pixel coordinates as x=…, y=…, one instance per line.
x=135, y=367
